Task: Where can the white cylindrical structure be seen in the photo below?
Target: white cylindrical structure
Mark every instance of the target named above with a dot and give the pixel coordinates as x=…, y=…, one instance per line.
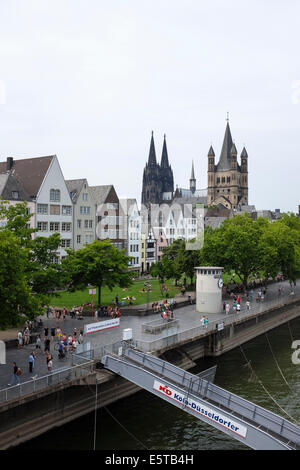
x=209, y=289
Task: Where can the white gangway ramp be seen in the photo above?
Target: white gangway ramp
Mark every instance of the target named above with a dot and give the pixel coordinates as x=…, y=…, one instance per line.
x=251, y=424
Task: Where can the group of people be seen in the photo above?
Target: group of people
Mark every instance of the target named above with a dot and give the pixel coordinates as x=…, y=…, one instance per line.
x=236, y=304
x=108, y=311
x=164, y=306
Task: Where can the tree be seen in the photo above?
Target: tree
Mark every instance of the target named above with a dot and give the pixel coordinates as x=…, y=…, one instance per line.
x=235, y=246
x=99, y=264
x=45, y=275
x=280, y=250
x=162, y=269
x=174, y=254
x=17, y=220
x=15, y=295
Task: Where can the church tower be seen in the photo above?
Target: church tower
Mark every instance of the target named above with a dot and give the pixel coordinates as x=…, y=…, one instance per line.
x=193, y=180
x=228, y=181
x=157, y=178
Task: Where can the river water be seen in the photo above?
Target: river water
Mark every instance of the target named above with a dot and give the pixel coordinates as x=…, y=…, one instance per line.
x=144, y=421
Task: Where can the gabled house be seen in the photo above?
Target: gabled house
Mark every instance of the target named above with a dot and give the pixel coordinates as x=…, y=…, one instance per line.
x=43, y=181
x=84, y=212
x=109, y=220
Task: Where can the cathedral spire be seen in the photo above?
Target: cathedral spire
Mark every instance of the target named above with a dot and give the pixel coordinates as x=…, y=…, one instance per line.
x=193, y=172
x=224, y=162
x=152, y=154
x=193, y=179
x=164, y=157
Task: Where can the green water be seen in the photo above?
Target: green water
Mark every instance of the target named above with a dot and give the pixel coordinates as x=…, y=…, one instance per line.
x=144, y=421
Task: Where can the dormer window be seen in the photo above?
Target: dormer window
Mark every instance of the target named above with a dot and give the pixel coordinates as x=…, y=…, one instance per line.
x=15, y=194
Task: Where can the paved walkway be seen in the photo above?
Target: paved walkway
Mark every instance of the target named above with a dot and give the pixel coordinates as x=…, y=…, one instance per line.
x=187, y=316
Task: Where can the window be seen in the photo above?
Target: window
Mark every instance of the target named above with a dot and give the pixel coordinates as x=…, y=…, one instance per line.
x=85, y=210
x=218, y=180
x=90, y=224
x=54, y=210
x=78, y=223
x=223, y=179
x=86, y=224
x=84, y=196
x=112, y=205
x=54, y=227
x=66, y=210
x=78, y=238
x=42, y=208
x=228, y=179
x=66, y=227
x=55, y=195
x=66, y=243
x=15, y=194
x=42, y=226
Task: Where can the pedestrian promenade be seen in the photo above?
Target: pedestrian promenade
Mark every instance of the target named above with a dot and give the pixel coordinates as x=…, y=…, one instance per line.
x=187, y=317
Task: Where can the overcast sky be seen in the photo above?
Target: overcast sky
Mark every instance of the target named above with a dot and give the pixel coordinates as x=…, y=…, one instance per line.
x=88, y=80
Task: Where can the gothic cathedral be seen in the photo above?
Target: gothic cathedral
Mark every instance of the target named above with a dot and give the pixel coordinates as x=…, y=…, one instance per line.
x=227, y=180
x=158, y=182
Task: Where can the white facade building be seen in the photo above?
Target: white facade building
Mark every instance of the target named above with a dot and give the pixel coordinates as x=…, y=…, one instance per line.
x=132, y=227
x=84, y=213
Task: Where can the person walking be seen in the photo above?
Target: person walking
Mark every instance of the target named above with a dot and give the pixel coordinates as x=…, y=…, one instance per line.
x=206, y=322
x=234, y=305
x=47, y=345
x=26, y=335
x=248, y=305
x=16, y=373
x=46, y=331
x=31, y=362
x=20, y=340
x=53, y=331
x=227, y=308
x=238, y=308
x=38, y=343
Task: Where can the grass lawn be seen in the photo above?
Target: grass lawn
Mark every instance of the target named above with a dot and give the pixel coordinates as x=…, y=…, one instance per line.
x=69, y=299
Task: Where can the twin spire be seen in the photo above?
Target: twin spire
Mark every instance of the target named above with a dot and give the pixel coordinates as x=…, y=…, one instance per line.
x=152, y=154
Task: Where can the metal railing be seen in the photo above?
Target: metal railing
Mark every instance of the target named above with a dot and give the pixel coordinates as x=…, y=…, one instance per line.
x=63, y=375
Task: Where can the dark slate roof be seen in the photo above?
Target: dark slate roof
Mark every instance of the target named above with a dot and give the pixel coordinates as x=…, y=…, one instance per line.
x=219, y=211
x=164, y=157
x=224, y=161
x=244, y=153
x=30, y=172
x=211, y=152
x=233, y=150
x=74, y=187
x=101, y=193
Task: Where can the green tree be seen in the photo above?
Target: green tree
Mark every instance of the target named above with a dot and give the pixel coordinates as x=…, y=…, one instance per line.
x=17, y=221
x=235, y=246
x=162, y=269
x=279, y=250
x=175, y=255
x=98, y=264
x=15, y=295
x=45, y=275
